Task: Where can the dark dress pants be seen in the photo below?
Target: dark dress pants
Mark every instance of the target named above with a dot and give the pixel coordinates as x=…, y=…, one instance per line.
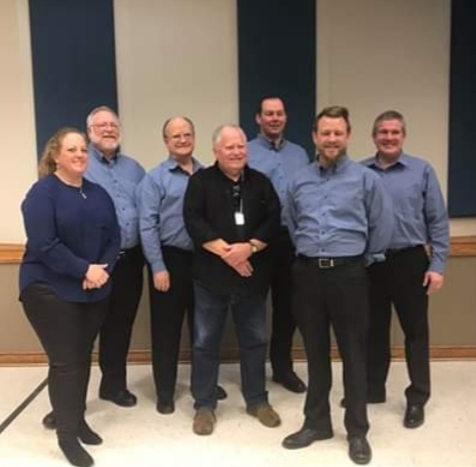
x=67, y=331
x=283, y=320
x=115, y=334
x=249, y=315
x=167, y=313
x=337, y=297
x=399, y=281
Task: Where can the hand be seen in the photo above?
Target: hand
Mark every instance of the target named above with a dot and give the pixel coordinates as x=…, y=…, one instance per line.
x=433, y=281
x=244, y=269
x=96, y=276
x=88, y=285
x=162, y=281
x=237, y=254
x=218, y=247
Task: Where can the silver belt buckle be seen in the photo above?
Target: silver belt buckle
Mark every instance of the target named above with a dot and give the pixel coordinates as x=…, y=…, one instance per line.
x=325, y=263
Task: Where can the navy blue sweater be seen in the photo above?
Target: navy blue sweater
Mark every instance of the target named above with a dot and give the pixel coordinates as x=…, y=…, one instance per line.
x=67, y=230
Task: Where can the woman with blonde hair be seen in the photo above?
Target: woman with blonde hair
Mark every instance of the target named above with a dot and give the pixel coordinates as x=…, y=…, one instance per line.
x=72, y=244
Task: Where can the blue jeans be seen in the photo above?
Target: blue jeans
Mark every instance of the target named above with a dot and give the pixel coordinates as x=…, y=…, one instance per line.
x=249, y=315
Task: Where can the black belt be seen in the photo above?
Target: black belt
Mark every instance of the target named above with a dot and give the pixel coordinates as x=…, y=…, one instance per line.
x=330, y=263
x=127, y=251
x=397, y=251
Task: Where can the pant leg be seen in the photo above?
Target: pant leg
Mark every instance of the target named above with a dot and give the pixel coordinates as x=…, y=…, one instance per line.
x=313, y=322
x=283, y=320
x=167, y=314
x=348, y=304
x=210, y=317
x=65, y=330
x=249, y=314
x=411, y=304
x=378, y=340
x=115, y=334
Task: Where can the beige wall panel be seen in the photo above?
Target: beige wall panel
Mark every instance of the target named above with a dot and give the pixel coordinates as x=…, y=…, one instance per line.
x=17, y=135
x=175, y=58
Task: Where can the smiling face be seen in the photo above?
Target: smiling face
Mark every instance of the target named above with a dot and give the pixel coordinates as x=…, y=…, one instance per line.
x=331, y=137
x=272, y=118
x=104, y=131
x=179, y=138
x=389, y=136
x=72, y=157
x=230, y=151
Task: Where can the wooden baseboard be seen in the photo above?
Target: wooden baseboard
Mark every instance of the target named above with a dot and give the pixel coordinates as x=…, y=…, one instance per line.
x=12, y=253
x=437, y=353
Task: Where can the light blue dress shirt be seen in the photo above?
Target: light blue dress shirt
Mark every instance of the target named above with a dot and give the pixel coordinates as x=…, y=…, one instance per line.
x=419, y=211
x=120, y=177
x=278, y=164
x=160, y=198
x=339, y=211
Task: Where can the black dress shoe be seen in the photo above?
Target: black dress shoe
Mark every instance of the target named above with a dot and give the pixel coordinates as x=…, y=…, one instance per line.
x=220, y=393
x=123, y=398
x=304, y=437
x=291, y=382
x=359, y=450
x=165, y=407
x=414, y=416
x=49, y=421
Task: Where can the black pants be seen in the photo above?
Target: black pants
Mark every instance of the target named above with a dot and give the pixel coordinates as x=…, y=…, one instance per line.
x=337, y=297
x=115, y=334
x=283, y=321
x=67, y=332
x=167, y=312
x=399, y=281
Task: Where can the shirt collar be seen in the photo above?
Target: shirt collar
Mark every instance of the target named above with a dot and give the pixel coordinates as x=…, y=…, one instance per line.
x=338, y=166
x=268, y=144
x=172, y=165
x=95, y=152
x=402, y=160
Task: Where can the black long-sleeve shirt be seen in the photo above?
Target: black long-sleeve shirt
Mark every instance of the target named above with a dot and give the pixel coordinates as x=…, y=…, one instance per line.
x=210, y=204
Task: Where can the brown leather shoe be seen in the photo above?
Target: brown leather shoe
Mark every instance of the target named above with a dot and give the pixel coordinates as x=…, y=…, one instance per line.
x=265, y=414
x=204, y=421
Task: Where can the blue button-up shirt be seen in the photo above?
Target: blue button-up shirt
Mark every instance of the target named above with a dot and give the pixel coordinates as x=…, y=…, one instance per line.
x=339, y=211
x=160, y=199
x=420, y=216
x=120, y=177
x=278, y=164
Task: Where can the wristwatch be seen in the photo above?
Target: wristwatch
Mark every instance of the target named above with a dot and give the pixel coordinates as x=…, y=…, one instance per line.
x=254, y=248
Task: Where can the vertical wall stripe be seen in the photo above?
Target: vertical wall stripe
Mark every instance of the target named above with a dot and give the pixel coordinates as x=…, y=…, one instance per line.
x=73, y=57
x=277, y=56
x=462, y=136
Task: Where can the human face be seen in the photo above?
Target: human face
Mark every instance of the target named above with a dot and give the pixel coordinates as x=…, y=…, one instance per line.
x=179, y=139
x=230, y=152
x=72, y=157
x=272, y=119
x=330, y=138
x=388, y=138
x=104, y=132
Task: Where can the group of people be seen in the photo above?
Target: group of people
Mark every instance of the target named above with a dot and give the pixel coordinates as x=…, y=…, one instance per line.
x=335, y=241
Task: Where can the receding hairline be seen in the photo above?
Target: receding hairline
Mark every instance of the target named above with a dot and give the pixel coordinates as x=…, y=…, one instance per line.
x=167, y=123
x=218, y=132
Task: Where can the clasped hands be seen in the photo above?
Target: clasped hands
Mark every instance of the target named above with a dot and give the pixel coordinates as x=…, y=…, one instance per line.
x=236, y=255
x=96, y=276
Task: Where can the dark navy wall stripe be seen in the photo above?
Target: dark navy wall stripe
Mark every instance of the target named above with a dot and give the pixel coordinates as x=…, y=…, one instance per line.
x=462, y=135
x=277, y=56
x=74, y=65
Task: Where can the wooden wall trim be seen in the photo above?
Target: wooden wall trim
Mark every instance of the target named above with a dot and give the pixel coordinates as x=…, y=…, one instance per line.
x=437, y=353
x=12, y=253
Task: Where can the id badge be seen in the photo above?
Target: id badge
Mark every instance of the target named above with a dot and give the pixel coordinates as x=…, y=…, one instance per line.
x=239, y=218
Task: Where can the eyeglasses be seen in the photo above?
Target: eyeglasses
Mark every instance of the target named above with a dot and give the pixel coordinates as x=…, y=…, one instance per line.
x=105, y=125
